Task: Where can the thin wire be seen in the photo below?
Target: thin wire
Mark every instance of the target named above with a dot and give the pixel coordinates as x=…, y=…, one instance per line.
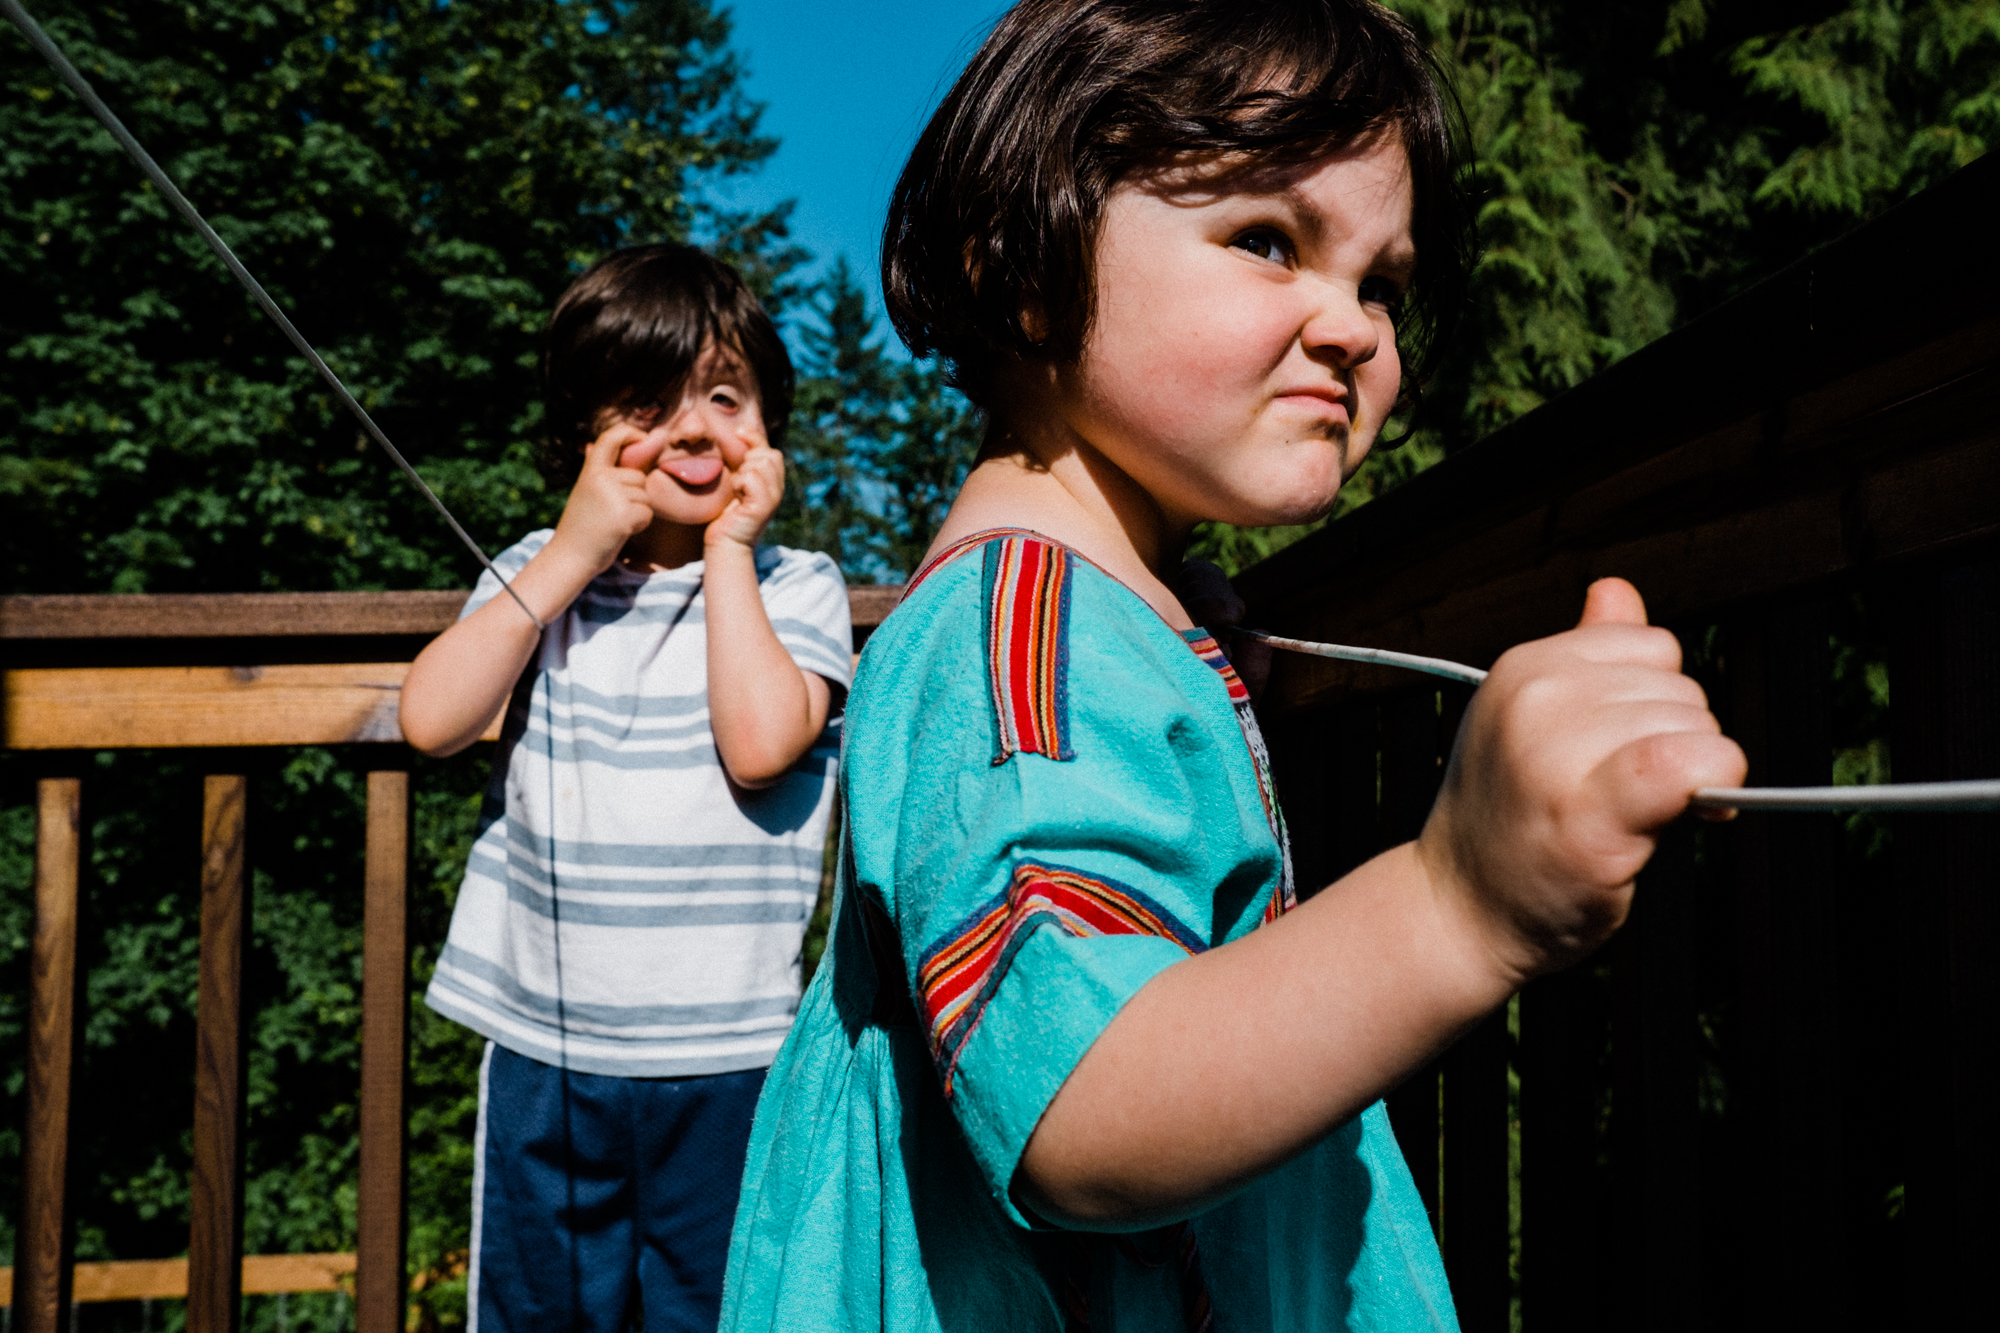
x=1983, y=794
x=78, y=85
x=1430, y=666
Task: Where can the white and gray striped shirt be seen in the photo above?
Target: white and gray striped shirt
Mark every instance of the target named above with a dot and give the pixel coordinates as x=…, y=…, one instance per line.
x=638, y=915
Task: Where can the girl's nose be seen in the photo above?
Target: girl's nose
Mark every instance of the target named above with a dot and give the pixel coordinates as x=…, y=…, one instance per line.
x=1341, y=332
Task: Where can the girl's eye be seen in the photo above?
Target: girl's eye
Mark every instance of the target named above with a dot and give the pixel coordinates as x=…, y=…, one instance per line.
x=1382, y=292
x=1265, y=244
x=724, y=399
x=647, y=415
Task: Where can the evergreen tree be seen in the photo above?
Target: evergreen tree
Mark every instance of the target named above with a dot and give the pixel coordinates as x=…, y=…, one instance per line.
x=415, y=185
x=878, y=446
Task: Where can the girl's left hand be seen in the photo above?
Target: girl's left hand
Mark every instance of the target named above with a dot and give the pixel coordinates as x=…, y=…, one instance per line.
x=757, y=484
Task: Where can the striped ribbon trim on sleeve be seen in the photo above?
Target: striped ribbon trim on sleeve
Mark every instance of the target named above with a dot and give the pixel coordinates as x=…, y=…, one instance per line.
x=958, y=977
x=1284, y=894
x=1027, y=646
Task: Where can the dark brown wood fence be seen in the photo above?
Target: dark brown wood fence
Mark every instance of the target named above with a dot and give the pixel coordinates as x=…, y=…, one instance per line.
x=1771, y=1102
x=166, y=672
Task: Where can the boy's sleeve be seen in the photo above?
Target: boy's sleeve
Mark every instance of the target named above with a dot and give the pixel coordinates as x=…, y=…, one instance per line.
x=509, y=562
x=1061, y=836
x=807, y=602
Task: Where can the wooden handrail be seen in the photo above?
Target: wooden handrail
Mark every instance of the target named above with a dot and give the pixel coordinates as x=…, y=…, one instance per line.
x=167, y=1279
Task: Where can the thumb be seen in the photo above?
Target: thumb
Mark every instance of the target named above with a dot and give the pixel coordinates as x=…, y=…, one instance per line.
x=1613, y=602
x=604, y=450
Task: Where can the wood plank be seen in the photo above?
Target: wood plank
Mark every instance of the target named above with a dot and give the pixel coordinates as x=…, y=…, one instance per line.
x=385, y=1005
x=215, y=1235
x=105, y=708
x=167, y=1279
x=259, y=615
x=38, y=1288
x=229, y=615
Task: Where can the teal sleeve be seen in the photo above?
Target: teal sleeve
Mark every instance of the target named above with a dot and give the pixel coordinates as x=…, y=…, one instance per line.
x=1032, y=894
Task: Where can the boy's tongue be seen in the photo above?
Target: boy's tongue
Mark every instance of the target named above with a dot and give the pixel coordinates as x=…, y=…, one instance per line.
x=694, y=471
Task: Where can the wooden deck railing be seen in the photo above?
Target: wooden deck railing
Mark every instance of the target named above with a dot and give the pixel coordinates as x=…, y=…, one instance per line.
x=168, y=672
x=1771, y=1103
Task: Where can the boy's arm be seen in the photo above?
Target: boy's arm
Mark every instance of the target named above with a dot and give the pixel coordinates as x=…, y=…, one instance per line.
x=463, y=676
x=764, y=709
x=1575, y=751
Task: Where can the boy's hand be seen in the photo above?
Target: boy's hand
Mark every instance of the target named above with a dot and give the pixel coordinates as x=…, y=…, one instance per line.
x=1574, y=754
x=756, y=480
x=607, y=507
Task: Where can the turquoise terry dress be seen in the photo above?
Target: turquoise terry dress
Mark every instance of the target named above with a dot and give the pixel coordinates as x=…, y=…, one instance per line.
x=1051, y=796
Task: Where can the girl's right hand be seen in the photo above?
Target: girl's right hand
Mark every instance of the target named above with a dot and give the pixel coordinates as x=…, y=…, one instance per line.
x=1575, y=753
x=607, y=507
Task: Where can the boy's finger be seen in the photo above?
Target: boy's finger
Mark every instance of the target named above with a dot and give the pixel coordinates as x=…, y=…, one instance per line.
x=1613, y=602
x=639, y=455
x=604, y=450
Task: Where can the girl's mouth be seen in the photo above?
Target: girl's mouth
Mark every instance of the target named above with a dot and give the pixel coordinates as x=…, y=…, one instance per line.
x=695, y=472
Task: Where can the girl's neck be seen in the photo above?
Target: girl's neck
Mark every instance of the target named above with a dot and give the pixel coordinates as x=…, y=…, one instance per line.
x=1051, y=481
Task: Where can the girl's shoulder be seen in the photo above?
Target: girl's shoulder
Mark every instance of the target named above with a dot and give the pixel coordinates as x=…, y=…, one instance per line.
x=1038, y=630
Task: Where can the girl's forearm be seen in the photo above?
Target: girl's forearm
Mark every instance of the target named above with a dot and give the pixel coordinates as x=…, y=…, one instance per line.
x=463, y=677
x=1225, y=1066
x=763, y=709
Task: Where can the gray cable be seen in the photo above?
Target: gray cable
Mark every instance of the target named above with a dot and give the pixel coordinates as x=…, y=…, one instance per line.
x=1887, y=797
x=78, y=85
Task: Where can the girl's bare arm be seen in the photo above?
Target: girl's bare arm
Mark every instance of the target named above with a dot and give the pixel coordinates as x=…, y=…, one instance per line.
x=1574, y=753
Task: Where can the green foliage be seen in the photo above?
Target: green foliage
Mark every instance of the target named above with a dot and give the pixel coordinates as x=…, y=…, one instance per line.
x=414, y=185
x=878, y=445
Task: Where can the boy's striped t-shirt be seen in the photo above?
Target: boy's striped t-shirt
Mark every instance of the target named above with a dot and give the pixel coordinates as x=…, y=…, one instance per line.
x=638, y=915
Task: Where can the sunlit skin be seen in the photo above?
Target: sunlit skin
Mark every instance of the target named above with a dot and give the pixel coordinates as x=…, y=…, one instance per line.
x=1240, y=364
x=664, y=483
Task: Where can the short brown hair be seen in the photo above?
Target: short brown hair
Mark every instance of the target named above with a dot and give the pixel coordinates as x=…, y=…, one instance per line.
x=998, y=209
x=635, y=324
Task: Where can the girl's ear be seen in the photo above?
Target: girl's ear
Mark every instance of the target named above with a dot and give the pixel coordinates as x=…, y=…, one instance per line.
x=1034, y=322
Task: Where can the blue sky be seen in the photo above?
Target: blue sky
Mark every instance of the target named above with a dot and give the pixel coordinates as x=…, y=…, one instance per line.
x=847, y=85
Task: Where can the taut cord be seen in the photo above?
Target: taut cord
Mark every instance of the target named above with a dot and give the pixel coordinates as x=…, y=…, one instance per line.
x=78, y=85
x=1888, y=796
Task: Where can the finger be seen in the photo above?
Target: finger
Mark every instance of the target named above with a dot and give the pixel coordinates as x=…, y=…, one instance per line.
x=1649, y=782
x=604, y=450
x=1613, y=602
x=1601, y=644
x=640, y=455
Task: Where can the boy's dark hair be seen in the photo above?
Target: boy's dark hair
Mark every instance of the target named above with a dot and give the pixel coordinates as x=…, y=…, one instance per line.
x=998, y=209
x=633, y=326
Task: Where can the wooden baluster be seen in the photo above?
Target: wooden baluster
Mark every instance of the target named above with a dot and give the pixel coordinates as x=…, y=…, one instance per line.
x=1786, y=1072
x=1410, y=773
x=385, y=967
x=1656, y=1056
x=1356, y=762
x=1562, y=1240
x=1475, y=1176
x=215, y=1238
x=1945, y=724
x=41, y=1270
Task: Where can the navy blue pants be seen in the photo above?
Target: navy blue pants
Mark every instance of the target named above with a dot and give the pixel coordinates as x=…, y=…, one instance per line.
x=602, y=1203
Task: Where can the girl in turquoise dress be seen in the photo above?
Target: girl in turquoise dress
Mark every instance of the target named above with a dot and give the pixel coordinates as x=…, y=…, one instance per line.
x=1077, y=1056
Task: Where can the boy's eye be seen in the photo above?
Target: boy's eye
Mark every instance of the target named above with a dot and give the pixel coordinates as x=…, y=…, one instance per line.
x=1265, y=244
x=1382, y=292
